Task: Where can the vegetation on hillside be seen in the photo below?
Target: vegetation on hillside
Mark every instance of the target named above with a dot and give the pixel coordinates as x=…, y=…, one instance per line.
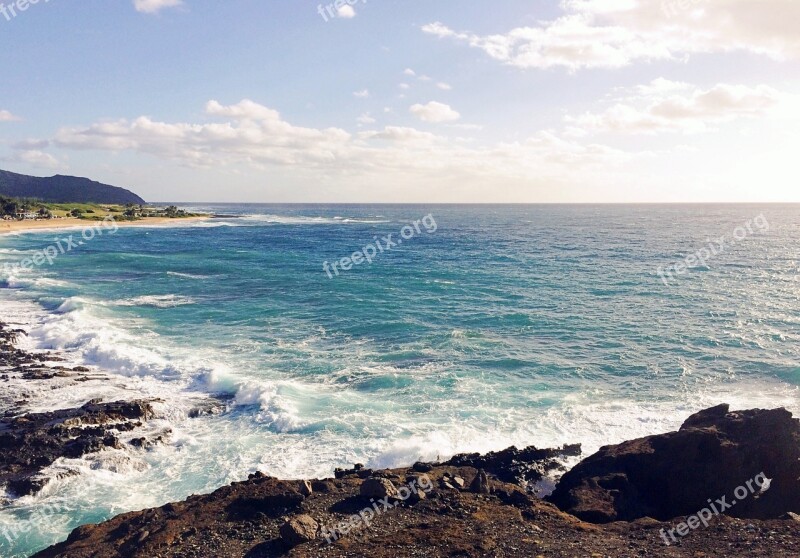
x=11, y=208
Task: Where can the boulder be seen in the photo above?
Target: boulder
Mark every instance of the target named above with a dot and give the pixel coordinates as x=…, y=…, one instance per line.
x=298, y=530
x=481, y=484
x=676, y=474
x=379, y=488
x=305, y=488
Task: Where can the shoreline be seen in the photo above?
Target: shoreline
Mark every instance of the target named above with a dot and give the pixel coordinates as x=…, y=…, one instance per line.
x=480, y=505
x=474, y=506
x=156, y=534
x=20, y=227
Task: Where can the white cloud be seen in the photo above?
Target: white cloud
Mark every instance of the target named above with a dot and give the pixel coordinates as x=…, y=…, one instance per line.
x=661, y=86
x=400, y=134
x=444, y=86
x=409, y=72
x=572, y=41
x=440, y=30
x=253, y=133
x=671, y=106
x=365, y=119
x=617, y=33
x=405, y=86
x=346, y=11
x=435, y=112
x=155, y=6
x=363, y=94
x=37, y=158
x=6, y=116
x=244, y=110
x=247, y=134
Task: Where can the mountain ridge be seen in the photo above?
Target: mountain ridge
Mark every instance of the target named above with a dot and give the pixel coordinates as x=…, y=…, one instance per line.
x=64, y=189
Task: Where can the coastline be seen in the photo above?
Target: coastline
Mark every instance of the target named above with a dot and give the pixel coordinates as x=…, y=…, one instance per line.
x=147, y=443
x=11, y=227
x=478, y=506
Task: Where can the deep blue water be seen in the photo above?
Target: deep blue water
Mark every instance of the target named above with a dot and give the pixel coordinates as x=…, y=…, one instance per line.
x=490, y=326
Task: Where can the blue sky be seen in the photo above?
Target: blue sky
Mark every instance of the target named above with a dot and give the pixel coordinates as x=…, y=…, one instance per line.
x=412, y=101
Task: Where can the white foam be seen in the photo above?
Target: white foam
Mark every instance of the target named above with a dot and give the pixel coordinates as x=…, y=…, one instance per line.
x=188, y=275
x=306, y=220
x=14, y=282
x=157, y=301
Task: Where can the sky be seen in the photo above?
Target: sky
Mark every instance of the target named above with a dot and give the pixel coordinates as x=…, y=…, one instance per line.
x=407, y=101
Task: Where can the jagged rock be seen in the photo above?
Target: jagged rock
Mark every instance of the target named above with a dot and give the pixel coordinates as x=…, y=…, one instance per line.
x=518, y=466
x=298, y=530
x=30, y=443
x=675, y=474
x=305, y=488
x=245, y=519
x=27, y=486
x=416, y=496
x=358, y=470
x=481, y=484
x=378, y=488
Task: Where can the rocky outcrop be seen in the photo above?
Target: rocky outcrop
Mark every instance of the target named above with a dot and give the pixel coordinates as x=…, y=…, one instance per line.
x=32, y=442
x=481, y=484
x=266, y=517
x=525, y=466
x=677, y=474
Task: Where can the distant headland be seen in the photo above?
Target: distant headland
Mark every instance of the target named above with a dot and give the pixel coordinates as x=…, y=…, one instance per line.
x=64, y=189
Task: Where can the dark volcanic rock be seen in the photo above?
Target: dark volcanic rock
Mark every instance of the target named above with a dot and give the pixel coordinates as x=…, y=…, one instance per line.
x=675, y=474
x=481, y=483
x=249, y=520
x=32, y=442
x=518, y=466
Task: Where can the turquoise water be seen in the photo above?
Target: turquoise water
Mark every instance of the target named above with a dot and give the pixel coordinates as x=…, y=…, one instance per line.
x=488, y=326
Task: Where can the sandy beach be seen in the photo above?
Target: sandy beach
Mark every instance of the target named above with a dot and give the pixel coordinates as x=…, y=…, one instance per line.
x=7, y=227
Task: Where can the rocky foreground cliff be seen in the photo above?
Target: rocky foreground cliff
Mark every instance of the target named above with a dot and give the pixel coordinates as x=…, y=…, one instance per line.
x=726, y=485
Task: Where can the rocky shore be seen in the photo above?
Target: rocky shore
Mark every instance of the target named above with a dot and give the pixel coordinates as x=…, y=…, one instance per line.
x=727, y=484
x=626, y=501
x=31, y=442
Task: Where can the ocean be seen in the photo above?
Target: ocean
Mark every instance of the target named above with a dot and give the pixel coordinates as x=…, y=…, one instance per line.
x=470, y=328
